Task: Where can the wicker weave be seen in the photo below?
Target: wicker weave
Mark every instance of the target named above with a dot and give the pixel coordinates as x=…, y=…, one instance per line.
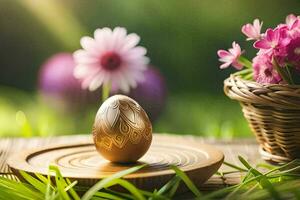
x=273, y=113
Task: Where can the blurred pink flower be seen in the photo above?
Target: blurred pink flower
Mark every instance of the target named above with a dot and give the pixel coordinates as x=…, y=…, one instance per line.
x=111, y=57
x=231, y=57
x=293, y=26
x=59, y=88
x=290, y=19
x=264, y=71
x=293, y=52
x=252, y=31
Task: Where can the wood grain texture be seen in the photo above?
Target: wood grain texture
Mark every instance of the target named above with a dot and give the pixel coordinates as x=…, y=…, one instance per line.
x=248, y=148
x=82, y=162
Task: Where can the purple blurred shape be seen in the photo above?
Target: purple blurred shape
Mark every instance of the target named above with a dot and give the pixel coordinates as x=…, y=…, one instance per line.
x=151, y=94
x=59, y=87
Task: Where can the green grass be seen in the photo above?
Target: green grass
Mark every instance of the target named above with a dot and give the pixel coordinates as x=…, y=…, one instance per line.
x=260, y=182
x=25, y=114
x=210, y=116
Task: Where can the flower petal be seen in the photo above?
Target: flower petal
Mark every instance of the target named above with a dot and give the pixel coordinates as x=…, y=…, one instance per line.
x=131, y=41
x=135, y=52
x=290, y=19
x=222, y=53
x=89, y=45
x=118, y=37
x=124, y=86
x=81, y=71
x=225, y=65
x=82, y=56
x=96, y=82
x=262, y=44
x=257, y=26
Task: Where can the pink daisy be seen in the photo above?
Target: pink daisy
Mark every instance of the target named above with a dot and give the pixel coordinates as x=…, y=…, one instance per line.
x=111, y=57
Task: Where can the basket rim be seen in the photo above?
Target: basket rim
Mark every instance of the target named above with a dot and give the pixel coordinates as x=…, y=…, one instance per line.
x=260, y=85
x=279, y=96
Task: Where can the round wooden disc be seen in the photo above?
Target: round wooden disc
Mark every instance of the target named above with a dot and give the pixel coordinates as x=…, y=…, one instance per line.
x=83, y=163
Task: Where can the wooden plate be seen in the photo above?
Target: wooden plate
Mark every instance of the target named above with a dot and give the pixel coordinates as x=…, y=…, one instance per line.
x=81, y=162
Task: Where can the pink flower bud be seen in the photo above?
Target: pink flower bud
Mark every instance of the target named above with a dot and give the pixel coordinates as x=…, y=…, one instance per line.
x=252, y=31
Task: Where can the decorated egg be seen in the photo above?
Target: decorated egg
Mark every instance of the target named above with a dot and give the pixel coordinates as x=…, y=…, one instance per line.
x=122, y=131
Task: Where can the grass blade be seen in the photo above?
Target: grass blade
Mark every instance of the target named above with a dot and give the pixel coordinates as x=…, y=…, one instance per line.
x=107, y=196
x=59, y=182
x=174, y=189
x=187, y=181
x=263, y=180
x=128, y=186
x=103, y=183
x=71, y=189
x=235, y=167
x=20, y=189
x=34, y=182
x=168, y=186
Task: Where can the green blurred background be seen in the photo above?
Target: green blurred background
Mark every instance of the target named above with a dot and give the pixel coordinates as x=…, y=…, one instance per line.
x=182, y=38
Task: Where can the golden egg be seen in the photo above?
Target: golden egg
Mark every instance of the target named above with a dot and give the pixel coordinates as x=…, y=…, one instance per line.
x=122, y=131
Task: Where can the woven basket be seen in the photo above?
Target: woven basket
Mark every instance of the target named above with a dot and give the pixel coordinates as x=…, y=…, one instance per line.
x=273, y=114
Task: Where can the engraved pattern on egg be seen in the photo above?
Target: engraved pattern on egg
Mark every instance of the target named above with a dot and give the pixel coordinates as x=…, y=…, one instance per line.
x=122, y=124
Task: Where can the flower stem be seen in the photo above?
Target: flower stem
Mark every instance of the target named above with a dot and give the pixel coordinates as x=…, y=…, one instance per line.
x=289, y=74
x=283, y=75
x=245, y=62
x=105, y=91
x=244, y=71
x=246, y=74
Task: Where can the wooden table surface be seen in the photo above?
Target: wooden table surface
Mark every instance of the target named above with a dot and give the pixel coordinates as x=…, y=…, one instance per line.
x=247, y=148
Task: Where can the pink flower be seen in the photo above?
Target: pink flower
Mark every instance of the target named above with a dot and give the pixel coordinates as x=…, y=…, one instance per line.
x=111, y=57
x=290, y=19
x=231, y=57
x=264, y=71
x=293, y=52
x=253, y=31
x=272, y=39
x=274, y=42
x=293, y=25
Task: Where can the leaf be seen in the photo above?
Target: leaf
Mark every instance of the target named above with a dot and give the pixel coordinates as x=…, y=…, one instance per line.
x=104, y=182
x=235, y=166
x=173, y=189
x=187, y=181
x=219, y=193
x=263, y=181
x=42, y=178
x=7, y=194
x=107, y=196
x=19, y=189
x=34, y=182
x=71, y=190
x=168, y=186
x=120, y=194
x=128, y=186
x=59, y=182
x=49, y=192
